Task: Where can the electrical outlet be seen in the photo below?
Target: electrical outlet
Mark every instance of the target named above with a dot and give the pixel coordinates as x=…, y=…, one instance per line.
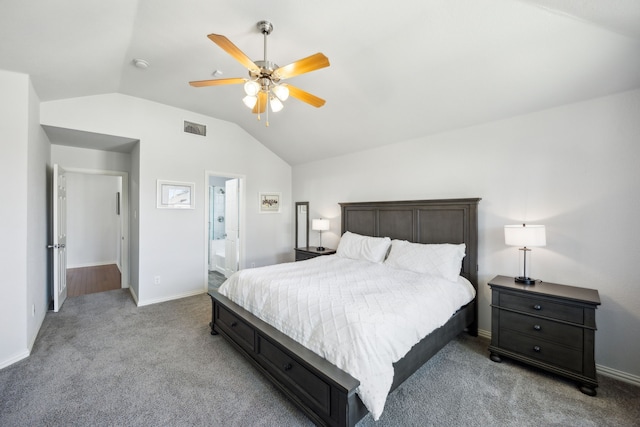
x=156, y=280
x=253, y=265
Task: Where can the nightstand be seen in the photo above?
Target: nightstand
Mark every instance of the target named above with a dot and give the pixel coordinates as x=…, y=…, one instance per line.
x=546, y=325
x=311, y=252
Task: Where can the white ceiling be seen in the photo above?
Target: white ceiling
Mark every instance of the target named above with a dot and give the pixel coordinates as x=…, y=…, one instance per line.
x=399, y=70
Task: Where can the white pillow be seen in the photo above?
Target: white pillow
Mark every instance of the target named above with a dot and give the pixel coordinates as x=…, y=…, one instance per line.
x=356, y=246
x=444, y=260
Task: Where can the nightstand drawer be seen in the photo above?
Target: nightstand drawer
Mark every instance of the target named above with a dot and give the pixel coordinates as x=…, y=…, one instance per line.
x=542, y=307
x=549, y=330
x=542, y=350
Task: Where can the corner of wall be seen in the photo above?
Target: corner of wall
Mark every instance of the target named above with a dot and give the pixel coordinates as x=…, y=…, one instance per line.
x=13, y=359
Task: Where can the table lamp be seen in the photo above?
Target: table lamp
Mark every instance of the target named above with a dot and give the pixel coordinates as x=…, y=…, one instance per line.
x=320, y=225
x=525, y=236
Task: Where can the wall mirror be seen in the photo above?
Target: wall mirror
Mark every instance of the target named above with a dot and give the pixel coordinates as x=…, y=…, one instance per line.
x=302, y=224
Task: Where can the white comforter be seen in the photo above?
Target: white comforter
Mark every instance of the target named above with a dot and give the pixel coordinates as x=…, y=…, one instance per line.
x=360, y=316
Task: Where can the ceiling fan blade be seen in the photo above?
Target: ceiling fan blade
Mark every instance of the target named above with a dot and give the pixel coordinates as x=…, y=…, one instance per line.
x=233, y=50
x=305, y=96
x=261, y=105
x=218, y=82
x=305, y=65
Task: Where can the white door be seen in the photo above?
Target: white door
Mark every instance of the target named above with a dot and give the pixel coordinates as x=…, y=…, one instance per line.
x=231, y=213
x=210, y=252
x=59, y=237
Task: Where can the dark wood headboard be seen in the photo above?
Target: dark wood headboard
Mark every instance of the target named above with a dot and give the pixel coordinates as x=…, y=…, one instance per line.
x=420, y=221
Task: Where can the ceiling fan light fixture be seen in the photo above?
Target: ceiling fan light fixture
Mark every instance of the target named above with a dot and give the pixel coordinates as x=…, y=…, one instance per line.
x=276, y=105
x=282, y=92
x=252, y=88
x=250, y=101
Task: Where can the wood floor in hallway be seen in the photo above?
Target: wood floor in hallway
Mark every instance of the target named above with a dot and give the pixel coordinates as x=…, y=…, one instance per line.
x=89, y=280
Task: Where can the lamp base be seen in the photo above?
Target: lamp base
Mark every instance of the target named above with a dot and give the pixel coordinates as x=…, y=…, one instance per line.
x=525, y=280
x=320, y=248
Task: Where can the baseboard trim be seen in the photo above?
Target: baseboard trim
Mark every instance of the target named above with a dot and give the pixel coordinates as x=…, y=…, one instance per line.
x=134, y=296
x=18, y=357
x=618, y=375
x=35, y=336
x=171, y=298
x=600, y=369
x=93, y=264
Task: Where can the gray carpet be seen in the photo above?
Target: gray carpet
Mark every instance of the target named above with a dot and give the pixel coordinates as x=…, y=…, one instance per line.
x=102, y=361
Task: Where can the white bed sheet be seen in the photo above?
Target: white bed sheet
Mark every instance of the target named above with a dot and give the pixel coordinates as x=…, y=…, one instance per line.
x=360, y=316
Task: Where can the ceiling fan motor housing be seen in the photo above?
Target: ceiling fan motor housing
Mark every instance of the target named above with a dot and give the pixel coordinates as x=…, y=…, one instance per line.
x=266, y=70
x=265, y=27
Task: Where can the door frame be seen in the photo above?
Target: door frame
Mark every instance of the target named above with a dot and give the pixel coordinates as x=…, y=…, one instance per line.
x=241, y=219
x=124, y=213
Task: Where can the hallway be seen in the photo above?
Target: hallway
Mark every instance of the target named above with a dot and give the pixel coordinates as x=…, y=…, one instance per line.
x=89, y=280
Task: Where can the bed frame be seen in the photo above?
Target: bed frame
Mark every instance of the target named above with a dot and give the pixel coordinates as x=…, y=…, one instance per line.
x=323, y=391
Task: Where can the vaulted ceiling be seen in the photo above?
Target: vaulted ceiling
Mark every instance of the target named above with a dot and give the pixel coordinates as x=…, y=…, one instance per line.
x=399, y=70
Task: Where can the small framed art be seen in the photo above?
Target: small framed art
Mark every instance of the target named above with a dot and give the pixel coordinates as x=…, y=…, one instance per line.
x=176, y=195
x=269, y=202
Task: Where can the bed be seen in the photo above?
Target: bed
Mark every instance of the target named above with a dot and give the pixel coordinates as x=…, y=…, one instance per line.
x=326, y=393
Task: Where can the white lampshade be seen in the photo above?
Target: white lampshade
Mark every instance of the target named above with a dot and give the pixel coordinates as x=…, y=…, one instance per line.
x=276, y=105
x=320, y=224
x=525, y=235
x=250, y=101
x=252, y=88
x=281, y=91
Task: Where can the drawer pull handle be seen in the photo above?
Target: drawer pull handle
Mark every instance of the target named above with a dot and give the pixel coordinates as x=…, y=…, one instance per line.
x=287, y=367
x=537, y=327
x=537, y=307
x=234, y=324
x=536, y=348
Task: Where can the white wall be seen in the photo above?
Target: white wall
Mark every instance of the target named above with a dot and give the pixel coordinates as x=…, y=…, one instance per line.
x=39, y=175
x=24, y=153
x=134, y=223
x=572, y=168
x=13, y=214
x=172, y=242
x=85, y=158
x=93, y=226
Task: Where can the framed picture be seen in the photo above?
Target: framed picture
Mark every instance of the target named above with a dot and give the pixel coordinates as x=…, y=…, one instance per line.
x=176, y=195
x=269, y=202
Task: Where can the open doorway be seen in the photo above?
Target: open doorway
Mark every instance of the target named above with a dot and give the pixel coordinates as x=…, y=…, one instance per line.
x=224, y=227
x=97, y=248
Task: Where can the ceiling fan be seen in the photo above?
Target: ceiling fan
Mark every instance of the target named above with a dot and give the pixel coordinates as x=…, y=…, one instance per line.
x=264, y=84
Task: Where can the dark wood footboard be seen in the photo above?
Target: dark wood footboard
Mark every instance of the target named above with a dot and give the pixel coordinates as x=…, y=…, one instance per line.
x=323, y=391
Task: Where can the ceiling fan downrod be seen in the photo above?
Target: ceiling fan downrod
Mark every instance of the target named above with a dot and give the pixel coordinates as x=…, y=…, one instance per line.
x=265, y=28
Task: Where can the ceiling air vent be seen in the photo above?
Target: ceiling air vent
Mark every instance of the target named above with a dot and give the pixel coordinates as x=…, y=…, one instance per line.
x=195, y=128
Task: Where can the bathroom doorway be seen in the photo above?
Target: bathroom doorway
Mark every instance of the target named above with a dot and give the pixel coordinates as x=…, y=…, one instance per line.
x=223, y=228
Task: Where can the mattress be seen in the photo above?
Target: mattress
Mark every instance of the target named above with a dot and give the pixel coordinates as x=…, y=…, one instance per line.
x=360, y=316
